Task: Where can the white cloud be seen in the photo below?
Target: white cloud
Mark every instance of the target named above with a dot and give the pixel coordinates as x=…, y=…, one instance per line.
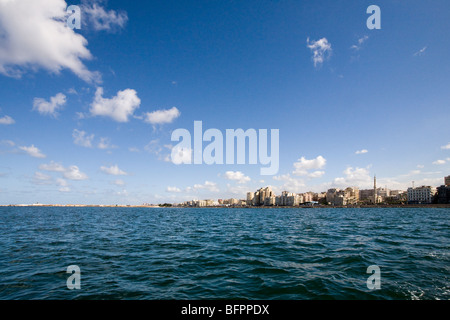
x=420, y=166
x=236, y=176
x=74, y=173
x=70, y=173
x=162, y=116
x=446, y=147
x=134, y=149
x=49, y=107
x=123, y=193
x=64, y=189
x=52, y=166
x=33, y=151
x=238, y=191
x=363, y=151
x=105, y=144
x=360, y=42
x=6, y=120
x=208, y=186
x=302, y=166
x=181, y=155
x=64, y=186
x=421, y=51
x=102, y=20
x=34, y=35
x=81, y=138
x=321, y=50
x=61, y=182
x=161, y=151
x=316, y=174
x=113, y=170
x=41, y=178
x=354, y=177
x=118, y=108
x=290, y=184
x=173, y=189
x=439, y=162
x=7, y=142
x=119, y=182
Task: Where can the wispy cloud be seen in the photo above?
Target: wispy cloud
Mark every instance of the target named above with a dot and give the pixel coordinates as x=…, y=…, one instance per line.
x=161, y=151
x=50, y=107
x=321, y=50
x=358, y=46
x=74, y=173
x=105, y=144
x=41, y=178
x=208, y=186
x=173, y=189
x=446, y=147
x=439, y=162
x=363, y=151
x=70, y=173
x=101, y=19
x=119, y=182
x=290, y=183
x=113, y=170
x=420, y=52
x=7, y=120
x=236, y=176
x=162, y=116
x=82, y=139
x=33, y=151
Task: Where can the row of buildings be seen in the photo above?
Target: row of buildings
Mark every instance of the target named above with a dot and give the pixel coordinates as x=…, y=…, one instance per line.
x=266, y=197
x=336, y=197
x=428, y=194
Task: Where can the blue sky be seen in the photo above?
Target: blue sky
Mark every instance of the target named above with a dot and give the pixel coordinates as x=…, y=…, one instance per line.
x=86, y=115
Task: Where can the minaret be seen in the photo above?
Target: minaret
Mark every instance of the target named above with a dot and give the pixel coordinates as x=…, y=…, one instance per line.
x=375, y=189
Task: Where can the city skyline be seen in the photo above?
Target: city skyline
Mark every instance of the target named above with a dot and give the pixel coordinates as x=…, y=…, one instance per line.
x=351, y=195
x=86, y=115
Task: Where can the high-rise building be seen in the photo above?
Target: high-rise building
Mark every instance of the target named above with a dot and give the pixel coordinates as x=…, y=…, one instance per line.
x=447, y=181
x=258, y=198
x=422, y=195
x=443, y=194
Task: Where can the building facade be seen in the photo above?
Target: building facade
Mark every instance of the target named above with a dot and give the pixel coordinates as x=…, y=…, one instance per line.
x=447, y=181
x=421, y=195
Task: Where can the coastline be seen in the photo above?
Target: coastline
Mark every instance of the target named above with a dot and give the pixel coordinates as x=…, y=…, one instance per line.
x=231, y=207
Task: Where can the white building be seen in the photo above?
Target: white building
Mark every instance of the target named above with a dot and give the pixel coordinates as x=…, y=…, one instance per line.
x=421, y=195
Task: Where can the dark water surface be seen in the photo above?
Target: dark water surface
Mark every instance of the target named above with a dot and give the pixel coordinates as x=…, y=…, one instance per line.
x=134, y=253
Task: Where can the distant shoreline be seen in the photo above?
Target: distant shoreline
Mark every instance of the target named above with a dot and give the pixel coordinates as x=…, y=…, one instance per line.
x=232, y=207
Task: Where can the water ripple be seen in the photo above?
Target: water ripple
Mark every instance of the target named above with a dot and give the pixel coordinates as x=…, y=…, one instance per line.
x=129, y=253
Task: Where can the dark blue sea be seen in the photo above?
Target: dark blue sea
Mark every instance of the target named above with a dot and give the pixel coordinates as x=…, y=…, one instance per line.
x=173, y=253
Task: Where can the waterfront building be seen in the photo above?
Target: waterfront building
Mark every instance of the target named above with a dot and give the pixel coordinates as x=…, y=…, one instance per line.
x=384, y=192
x=443, y=194
x=351, y=195
x=421, y=195
x=250, y=197
x=331, y=194
x=366, y=194
x=270, y=201
x=447, y=181
x=308, y=197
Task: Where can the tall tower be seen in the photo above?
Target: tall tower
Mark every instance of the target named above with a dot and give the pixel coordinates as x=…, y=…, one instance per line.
x=375, y=189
